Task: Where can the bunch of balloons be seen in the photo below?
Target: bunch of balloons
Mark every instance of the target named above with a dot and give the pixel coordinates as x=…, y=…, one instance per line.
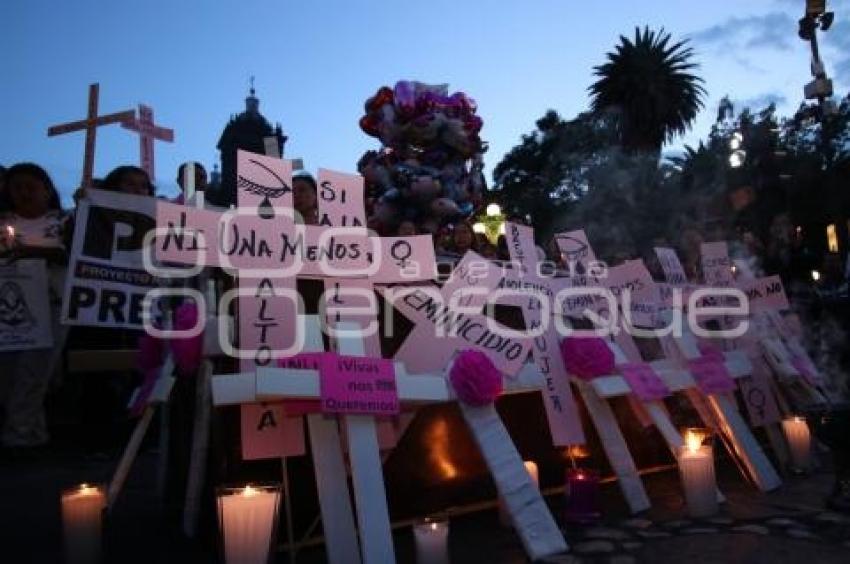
x=429, y=168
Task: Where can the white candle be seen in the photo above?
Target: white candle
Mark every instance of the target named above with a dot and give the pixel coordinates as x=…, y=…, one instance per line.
x=696, y=467
x=799, y=441
x=82, y=513
x=432, y=541
x=247, y=521
x=9, y=237
x=531, y=468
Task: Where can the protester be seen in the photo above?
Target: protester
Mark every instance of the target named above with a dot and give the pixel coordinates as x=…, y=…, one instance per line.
x=129, y=179
x=406, y=229
x=29, y=205
x=305, y=199
x=200, y=176
x=463, y=238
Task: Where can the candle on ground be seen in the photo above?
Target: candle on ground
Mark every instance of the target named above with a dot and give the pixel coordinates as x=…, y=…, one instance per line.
x=247, y=518
x=696, y=468
x=432, y=541
x=82, y=514
x=582, y=493
x=799, y=442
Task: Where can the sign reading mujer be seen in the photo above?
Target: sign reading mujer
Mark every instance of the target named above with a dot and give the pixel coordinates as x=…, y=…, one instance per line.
x=107, y=282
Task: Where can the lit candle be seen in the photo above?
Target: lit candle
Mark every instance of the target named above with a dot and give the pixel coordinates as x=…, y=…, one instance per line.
x=9, y=237
x=82, y=512
x=531, y=468
x=432, y=541
x=581, y=491
x=696, y=467
x=247, y=519
x=799, y=441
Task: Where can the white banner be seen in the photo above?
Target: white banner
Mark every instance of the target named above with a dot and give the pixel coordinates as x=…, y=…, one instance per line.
x=107, y=282
x=24, y=307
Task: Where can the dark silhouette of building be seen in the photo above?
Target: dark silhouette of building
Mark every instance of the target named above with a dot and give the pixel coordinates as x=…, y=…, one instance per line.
x=247, y=131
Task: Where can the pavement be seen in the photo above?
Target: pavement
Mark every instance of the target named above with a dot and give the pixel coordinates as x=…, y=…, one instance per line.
x=789, y=525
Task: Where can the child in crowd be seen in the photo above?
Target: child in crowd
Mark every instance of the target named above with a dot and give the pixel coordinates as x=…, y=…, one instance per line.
x=32, y=219
x=305, y=196
x=463, y=238
x=406, y=229
x=129, y=179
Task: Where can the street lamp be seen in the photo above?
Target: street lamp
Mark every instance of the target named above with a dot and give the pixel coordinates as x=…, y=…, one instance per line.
x=736, y=140
x=821, y=87
x=736, y=159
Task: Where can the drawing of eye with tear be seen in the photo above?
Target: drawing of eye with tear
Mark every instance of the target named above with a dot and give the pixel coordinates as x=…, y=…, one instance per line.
x=574, y=249
x=265, y=210
x=401, y=251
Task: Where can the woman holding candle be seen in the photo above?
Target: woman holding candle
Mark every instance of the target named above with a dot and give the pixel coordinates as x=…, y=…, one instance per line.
x=32, y=221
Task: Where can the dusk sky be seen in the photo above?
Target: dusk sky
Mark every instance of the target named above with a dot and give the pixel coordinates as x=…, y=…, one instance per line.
x=316, y=62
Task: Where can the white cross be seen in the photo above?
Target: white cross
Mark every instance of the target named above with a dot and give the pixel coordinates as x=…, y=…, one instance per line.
x=532, y=518
x=719, y=406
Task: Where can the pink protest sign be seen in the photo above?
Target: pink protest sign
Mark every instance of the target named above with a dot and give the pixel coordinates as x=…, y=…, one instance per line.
x=632, y=282
x=439, y=331
x=267, y=304
x=471, y=281
x=673, y=271
x=643, y=381
x=352, y=384
x=266, y=433
x=716, y=264
x=264, y=182
x=577, y=253
x=561, y=410
x=765, y=294
x=521, y=244
x=403, y=259
x=341, y=199
x=758, y=395
x=711, y=375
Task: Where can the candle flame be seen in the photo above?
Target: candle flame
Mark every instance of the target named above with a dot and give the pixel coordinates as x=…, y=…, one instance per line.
x=693, y=441
x=577, y=451
x=438, y=440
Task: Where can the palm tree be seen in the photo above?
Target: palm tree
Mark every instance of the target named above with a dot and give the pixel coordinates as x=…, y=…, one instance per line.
x=650, y=85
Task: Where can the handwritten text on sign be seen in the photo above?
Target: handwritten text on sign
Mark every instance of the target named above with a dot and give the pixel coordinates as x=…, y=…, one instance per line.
x=351, y=384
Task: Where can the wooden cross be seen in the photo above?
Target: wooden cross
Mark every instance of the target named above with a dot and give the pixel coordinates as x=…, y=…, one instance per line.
x=575, y=246
x=265, y=317
x=723, y=410
x=148, y=133
x=90, y=124
x=532, y=519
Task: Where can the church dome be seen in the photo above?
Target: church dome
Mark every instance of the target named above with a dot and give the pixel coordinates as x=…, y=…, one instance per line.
x=247, y=131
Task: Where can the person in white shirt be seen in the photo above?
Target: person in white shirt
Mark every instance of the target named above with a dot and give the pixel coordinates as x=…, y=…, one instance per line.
x=31, y=220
